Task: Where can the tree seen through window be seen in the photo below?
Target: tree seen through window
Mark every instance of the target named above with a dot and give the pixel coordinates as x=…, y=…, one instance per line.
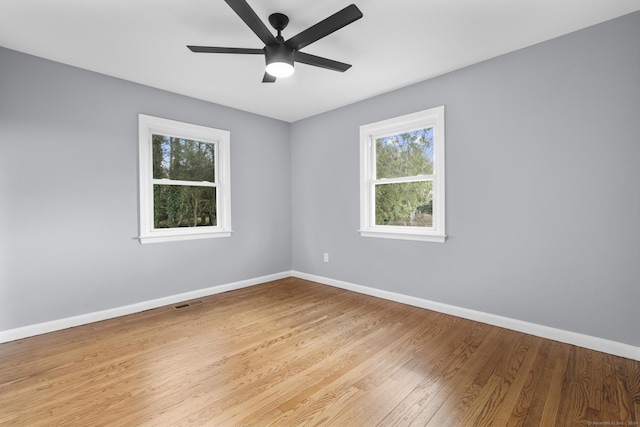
x=184, y=182
x=404, y=168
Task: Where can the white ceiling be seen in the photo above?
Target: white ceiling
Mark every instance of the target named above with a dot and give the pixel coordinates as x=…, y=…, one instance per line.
x=395, y=44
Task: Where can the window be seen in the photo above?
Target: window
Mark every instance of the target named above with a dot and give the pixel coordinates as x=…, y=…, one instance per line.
x=402, y=177
x=184, y=181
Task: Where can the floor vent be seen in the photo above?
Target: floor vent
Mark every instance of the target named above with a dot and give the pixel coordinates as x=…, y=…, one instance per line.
x=187, y=304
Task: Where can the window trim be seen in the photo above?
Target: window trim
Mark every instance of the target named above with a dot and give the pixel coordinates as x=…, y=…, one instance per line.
x=149, y=125
x=433, y=117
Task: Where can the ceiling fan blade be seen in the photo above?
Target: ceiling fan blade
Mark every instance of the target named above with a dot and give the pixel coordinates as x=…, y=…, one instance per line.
x=250, y=18
x=268, y=78
x=325, y=27
x=329, y=64
x=211, y=49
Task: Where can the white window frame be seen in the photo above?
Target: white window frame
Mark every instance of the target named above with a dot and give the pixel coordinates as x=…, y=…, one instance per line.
x=149, y=125
x=431, y=118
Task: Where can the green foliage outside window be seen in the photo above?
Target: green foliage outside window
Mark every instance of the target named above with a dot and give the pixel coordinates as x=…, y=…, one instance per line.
x=178, y=159
x=405, y=155
x=183, y=206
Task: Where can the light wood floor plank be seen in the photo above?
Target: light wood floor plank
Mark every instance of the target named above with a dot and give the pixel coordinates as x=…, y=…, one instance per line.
x=292, y=353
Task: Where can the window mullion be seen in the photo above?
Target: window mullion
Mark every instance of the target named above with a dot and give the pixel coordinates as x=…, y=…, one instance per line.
x=165, y=181
x=399, y=180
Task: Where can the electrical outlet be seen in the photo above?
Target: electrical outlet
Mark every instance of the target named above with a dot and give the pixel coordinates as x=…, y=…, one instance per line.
x=326, y=257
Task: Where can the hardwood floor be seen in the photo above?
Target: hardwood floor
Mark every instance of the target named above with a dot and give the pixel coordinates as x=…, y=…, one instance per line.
x=292, y=352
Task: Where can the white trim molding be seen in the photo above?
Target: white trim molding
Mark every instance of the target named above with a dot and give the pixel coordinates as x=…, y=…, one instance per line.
x=568, y=337
x=432, y=118
x=220, y=139
x=84, y=319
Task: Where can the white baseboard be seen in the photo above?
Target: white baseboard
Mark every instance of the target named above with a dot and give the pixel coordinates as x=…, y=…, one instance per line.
x=574, y=338
x=83, y=319
x=568, y=337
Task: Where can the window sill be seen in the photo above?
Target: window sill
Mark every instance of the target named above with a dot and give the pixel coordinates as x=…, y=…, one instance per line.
x=404, y=235
x=183, y=236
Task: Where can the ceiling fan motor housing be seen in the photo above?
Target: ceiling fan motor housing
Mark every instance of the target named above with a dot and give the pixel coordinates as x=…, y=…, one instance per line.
x=278, y=53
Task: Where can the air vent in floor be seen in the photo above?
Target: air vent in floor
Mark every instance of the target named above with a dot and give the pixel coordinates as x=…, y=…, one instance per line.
x=187, y=304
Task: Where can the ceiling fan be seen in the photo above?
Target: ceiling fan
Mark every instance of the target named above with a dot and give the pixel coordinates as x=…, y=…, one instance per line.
x=280, y=54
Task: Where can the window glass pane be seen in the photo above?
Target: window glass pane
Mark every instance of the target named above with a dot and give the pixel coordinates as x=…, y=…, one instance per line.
x=183, y=206
x=408, y=204
x=405, y=154
x=183, y=159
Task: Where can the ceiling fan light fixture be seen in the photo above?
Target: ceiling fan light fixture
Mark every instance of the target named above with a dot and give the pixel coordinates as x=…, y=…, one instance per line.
x=280, y=69
x=279, y=59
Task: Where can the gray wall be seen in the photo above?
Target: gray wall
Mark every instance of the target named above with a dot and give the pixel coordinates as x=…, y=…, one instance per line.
x=543, y=197
x=69, y=195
